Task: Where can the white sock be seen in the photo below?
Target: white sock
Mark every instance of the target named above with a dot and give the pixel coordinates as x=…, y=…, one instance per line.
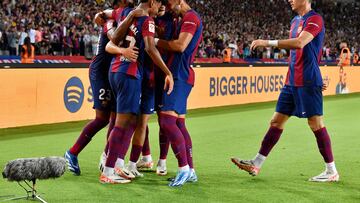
x=132, y=165
x=162, y=162
x=192, y=170
x=330, y=167
x=108, y=171
x=119, y=163
x=184, y=168
x=259, y=160
x=147, y=158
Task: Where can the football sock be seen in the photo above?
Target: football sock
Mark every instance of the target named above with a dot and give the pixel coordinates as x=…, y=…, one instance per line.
x=330, y=167
x=120, y=163
x=181, y=124
x=259, y=160
x=162, y=162
x=86, y=135
x=111, y=126
x=147, y=158
x=108, y=171
x=125, y=141
x=184, y=168
x=269, y=141
x=146, y=146
x=324, y=144
x=132, y=165
x=172, y=131
x=115, y=142
x=164, y=144
x=135, y=153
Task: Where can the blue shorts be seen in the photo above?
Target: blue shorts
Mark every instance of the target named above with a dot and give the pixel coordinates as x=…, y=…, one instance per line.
x=147, y=105
x=177, y=100
x=127, y=91
x=302, y=102
x=102, y=94
x=159, y=90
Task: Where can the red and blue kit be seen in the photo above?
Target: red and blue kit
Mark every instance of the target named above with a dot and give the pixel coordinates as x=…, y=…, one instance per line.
x=180, y=64
x=98, y=73
x=126, y=76
x=302, y=94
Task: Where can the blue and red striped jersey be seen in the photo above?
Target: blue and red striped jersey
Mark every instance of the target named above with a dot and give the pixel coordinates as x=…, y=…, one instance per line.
x=304, y=63
x=116, y=14
x=180, y=63
x=141, y=27
x=101, y=63
x=166, y=27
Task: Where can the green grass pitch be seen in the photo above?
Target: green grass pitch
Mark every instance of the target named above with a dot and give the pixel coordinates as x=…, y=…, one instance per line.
x=218, y=134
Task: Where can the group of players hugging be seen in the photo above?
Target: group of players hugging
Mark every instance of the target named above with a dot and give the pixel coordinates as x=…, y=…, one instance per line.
x=142, y=66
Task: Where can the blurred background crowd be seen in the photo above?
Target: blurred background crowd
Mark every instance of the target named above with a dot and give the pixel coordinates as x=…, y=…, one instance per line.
x=65, y=27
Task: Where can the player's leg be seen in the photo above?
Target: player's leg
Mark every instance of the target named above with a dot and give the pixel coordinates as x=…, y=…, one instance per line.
x=111, y=126
x=177, y=141
x=284, y=109
x=147, y=108
x=313, y=106
x=128, y=90
x=137, y=143
x=324, y=144
x=102, y=98
x=164, y=148
x=188, y=142
x=119, y=141
x=146, y=161
x=103, y=155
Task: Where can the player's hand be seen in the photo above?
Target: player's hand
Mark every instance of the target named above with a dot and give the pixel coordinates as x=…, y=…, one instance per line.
x=131, y=53
x=161, y=11
x=99, y=19
x=137, y=13
x=258, y=43
x=324, y=87
x=169, y=84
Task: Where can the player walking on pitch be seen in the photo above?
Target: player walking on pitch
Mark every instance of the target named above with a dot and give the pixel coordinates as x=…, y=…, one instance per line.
x=302, y=94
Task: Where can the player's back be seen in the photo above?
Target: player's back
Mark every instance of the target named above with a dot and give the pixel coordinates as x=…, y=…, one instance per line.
x=180, y=63
x=304, y=63
x=99, y=66
x=140, y=28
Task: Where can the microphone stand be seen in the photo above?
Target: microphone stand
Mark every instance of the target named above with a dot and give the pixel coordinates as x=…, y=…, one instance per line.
x=31, y=192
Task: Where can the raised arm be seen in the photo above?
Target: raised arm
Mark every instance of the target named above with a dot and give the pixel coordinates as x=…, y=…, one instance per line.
x=120, y=32
x=312, y=28
x=101, y=17
x=178, y=45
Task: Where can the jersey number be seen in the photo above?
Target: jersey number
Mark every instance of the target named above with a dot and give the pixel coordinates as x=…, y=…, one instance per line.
x=131, y=41
x=102, y=95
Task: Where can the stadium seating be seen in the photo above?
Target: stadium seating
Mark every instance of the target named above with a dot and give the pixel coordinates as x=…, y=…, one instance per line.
x=66, y=27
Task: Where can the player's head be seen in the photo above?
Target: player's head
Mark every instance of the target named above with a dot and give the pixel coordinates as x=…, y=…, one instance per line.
x=175, y=5
x=154, y=6
x=297, y=5
x=123, y=3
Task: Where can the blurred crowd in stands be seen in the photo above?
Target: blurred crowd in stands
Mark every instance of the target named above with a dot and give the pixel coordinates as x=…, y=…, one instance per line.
x=65, y=27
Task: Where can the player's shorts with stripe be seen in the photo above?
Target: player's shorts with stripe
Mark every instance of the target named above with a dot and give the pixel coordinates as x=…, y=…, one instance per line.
x=147, y=105
x=127, y=92
x=102, y=94
x=302, y=102
x=177, y=100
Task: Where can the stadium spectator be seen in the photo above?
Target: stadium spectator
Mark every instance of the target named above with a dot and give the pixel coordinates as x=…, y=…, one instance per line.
x=27, y=51
x=224, y=21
